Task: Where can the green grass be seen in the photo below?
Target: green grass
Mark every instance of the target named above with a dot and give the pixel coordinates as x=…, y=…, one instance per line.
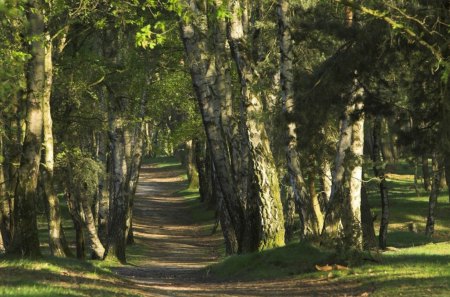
x=292, y=259
x=417, y=271
x=408, y=207
x=420, y=266
x=163, y=162
x=50, y=276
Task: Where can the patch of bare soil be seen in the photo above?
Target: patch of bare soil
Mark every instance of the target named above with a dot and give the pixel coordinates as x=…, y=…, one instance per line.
x=177, y=251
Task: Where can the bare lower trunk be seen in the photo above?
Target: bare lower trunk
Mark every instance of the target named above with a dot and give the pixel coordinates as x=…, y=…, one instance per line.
x=378, y=169
x=75, y=213
x=5, y=232
x=289, y=209
x=368, y=231
x=25, y=239
x=133, y=177
x=119, y=198
x=310, y=212
x=352, y=224
x=192, y=172
x=202, y=73
x=54, y=218
x=229, y=234
x=434, y=194
x=325, y=182
x=334, y=206
x=426, y=173
x=96, y=245
x=447, y=174
x=264, y=173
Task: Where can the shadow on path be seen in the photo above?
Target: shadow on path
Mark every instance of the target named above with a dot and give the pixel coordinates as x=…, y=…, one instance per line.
x=172, y=252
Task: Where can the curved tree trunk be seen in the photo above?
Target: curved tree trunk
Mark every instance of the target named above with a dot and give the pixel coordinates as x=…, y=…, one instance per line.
x=96, y=245
x=25, y=239
x=203, y=73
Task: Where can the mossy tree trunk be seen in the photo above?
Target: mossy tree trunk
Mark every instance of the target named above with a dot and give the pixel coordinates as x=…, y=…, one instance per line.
x=25, y=240
x=56, y=239
x=265, y=177
x=203, y=73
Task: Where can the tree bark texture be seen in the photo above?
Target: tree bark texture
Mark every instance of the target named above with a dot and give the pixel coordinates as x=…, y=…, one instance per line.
x=203, y=73
x=352, y=224
x=310, y=209
x=265, y=176
x=54, y=217
x=332, y=219
x=368, y=231
x=25, y=239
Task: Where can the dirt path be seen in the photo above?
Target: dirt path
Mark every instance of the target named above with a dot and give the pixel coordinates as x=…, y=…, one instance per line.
x=172, y=252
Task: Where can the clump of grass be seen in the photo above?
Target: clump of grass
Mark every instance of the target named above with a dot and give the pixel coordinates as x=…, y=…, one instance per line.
x=292, y=259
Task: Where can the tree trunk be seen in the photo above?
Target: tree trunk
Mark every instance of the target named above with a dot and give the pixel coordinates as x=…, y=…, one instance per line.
x=447, y=174
x=368, y=231
x=378, y=169
x=287, y=197
x=203, y=74
x=200, y=164
x=192, y=172
x=334, y=205
x=310, y=212
x=25, y=240
x=119, y=198
x=426, y=173
x=352, y=223
x=54, y=218
x=75, y=213
x=96, y=245
x=265, y=182
x=133, y=178
x=229, y=234
x=5, y=231
x=326, y=182
x=434, y=194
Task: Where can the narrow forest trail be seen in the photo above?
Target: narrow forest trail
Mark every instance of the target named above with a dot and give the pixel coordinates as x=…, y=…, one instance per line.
x=172, y=251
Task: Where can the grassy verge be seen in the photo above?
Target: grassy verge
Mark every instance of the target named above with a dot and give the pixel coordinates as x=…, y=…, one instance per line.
x=51, y=276
x=419, y=267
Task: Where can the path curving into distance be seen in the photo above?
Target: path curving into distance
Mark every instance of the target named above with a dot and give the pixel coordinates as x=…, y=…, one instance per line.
x=172, y=252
